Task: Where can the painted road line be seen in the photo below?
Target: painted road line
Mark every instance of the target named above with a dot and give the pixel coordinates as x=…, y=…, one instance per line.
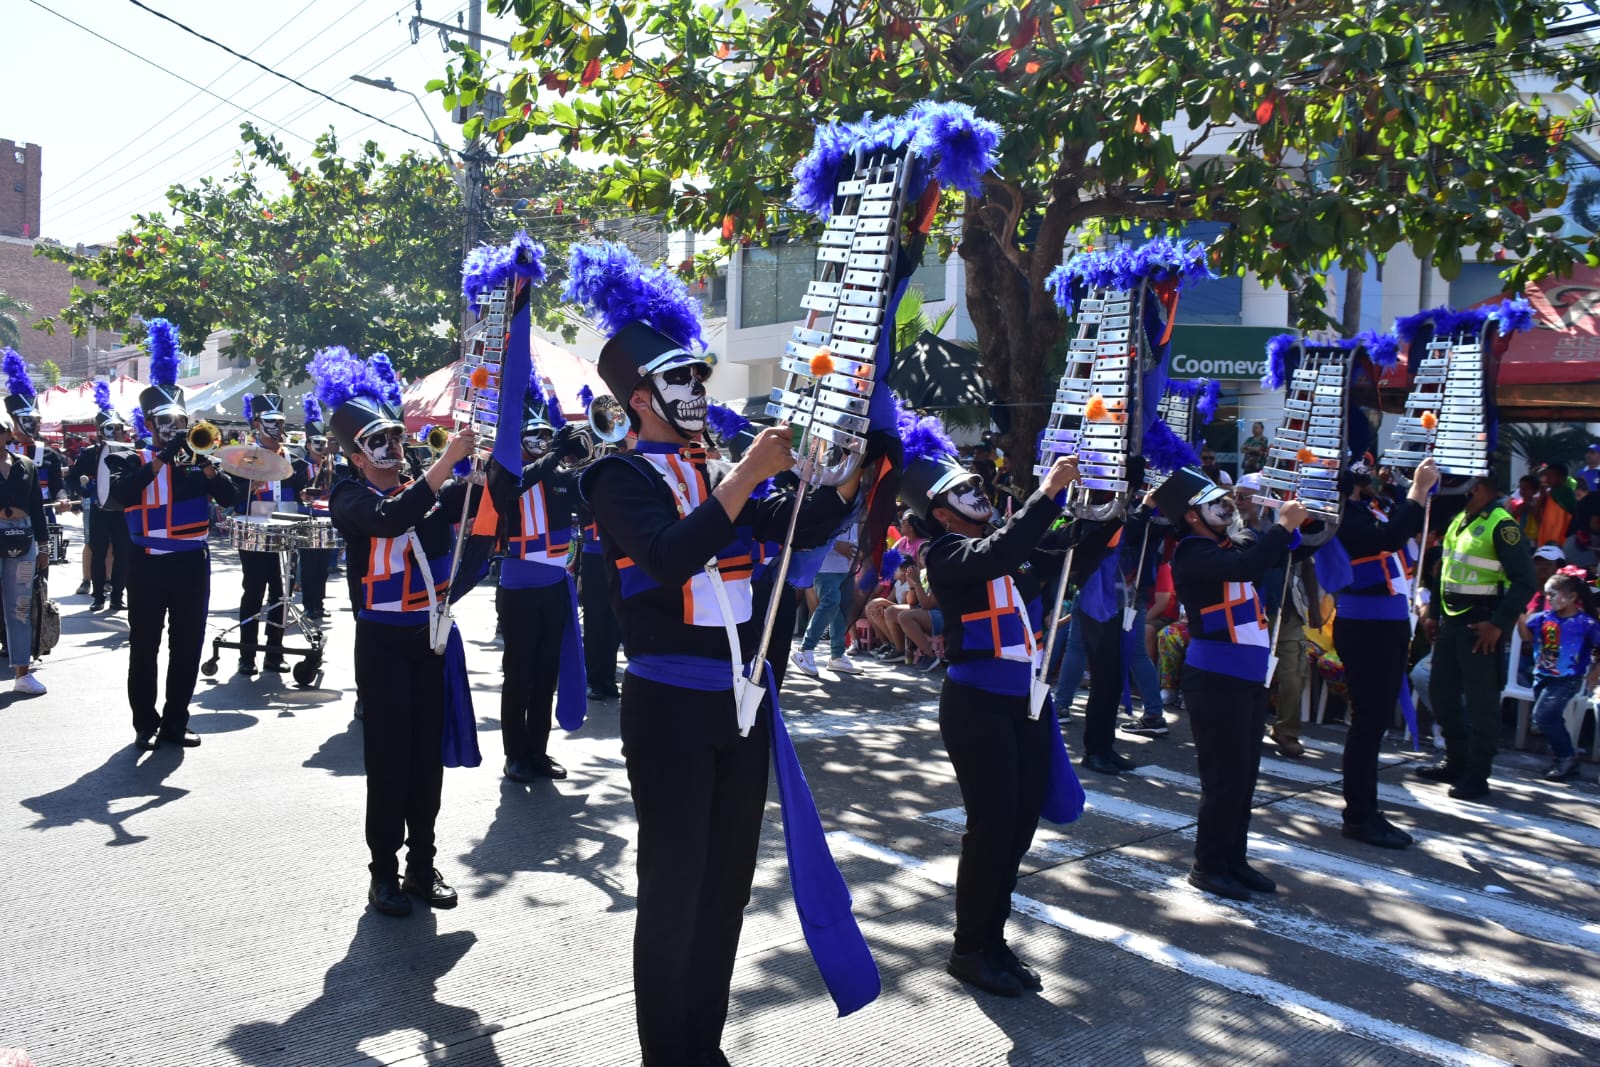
x=1433, y=798
x=1520, y=916
x=1302, y=1005
x=1458, y=851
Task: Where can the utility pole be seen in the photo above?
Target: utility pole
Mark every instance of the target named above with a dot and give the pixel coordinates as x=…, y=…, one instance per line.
x=474, y=200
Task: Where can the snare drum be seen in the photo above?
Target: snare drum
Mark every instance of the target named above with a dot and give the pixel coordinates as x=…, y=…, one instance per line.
x=252, y=533
x=317, y=533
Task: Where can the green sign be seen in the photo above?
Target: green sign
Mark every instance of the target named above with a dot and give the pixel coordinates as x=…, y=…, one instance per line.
x=1235, y=353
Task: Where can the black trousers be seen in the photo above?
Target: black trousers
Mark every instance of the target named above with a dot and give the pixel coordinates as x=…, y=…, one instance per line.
x=1471, y=738
x=401, y=685
x=1002, y=762
x=602, y=636
x=1373, y=652
x=1228, y=715
x=263, y=581
x=532, y=622
x=699, y=790
x=782, y=627
x=108, y=533
x=314, y=566
x=173, y=590
x=1103, y=641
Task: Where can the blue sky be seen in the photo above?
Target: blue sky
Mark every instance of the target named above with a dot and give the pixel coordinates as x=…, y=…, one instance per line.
x=116, y=132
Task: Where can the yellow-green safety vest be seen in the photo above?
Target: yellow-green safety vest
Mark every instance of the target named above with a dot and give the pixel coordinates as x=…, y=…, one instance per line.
x=1471, y=567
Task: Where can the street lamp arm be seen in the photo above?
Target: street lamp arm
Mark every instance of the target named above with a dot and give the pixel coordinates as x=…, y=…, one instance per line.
x=388, y=85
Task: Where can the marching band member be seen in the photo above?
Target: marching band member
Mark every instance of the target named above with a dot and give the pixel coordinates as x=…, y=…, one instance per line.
x=1372, y=634
x=165, y=492
x=24, y=552
x=400, y=539
x=991, y=584
x=670, y=521
x=537, y=599
x=1214, y=569
x=263, y=576
x=326, y=468
x=109, y=547
x=601, y=634
x=21, y=405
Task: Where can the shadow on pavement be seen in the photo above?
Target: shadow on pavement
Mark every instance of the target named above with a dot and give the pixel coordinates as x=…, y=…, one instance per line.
x=100, y=794
x=387, y=982
x=538, y=828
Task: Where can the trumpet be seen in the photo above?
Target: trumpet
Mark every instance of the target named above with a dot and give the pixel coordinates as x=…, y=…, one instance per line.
x=606, y=426
x=203, y=438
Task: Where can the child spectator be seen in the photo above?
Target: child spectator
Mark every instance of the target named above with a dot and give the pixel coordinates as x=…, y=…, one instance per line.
x=1564, y=637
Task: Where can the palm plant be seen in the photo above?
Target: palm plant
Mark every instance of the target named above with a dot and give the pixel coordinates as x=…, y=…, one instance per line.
x=1545, y=442
x=12, y=312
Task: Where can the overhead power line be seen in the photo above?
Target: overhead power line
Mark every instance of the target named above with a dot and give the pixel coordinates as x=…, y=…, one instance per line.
x=277, y=74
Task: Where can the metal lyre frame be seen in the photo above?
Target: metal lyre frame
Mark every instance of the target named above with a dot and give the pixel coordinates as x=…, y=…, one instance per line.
x=1107, y=358
x=1308, y=451
x=856, y=259
x=1451, y=385
x=478, y=407
x=1181, y=412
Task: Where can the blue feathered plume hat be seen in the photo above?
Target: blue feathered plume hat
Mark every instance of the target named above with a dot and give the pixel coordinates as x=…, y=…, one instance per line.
x=537, y=410
x=106, y=415
x=163, y=396
x=653, y=322
x=360, y=395
x=20, y=403
x=313, y=413
x=265, y=406
x=932, y=464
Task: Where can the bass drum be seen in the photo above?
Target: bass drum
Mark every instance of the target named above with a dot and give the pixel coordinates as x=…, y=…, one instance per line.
x=102, y=475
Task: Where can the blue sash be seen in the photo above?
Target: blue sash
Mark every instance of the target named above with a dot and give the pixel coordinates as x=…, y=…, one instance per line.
x=1063, y=801
x=460, y=743
x=572, y=684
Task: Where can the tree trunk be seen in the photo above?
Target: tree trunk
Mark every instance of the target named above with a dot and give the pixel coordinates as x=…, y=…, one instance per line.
x=1018, y=325
x=1350, y=317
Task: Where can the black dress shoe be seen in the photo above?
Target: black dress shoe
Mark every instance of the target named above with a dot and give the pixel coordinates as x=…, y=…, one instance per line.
x=188, y=739
x=1107, y=762
x=1026, y=975
x=430, y=887
x=116, y=604
x=602, y=694
x=147, y=742
x=385, y=895
x=518, y=771
x=1470, y=789
x=985, y=971
x=248, y=668
x=1438, y=772
x=1252, y=879
x=545, y=767
x=1222, y=885
x=275, y=665
x=1376, y=831
x=99, y=604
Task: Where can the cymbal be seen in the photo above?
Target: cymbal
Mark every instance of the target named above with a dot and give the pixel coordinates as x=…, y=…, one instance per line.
x=253, y=463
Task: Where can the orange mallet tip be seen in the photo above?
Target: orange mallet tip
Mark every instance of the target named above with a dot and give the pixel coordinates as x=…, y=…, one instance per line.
x=822, y=362
x=1429, y=420
x=1095, y=410
x=480, y=378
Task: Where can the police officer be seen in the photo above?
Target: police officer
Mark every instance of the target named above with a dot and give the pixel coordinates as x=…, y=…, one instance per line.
x=1214, y=570
x=1372, y=634
x=1484, y=583
x=263, y=574
x=166, y=493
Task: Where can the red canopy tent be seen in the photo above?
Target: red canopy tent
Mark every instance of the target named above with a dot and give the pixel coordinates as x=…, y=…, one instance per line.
x=1552, y=372
x=426, y=401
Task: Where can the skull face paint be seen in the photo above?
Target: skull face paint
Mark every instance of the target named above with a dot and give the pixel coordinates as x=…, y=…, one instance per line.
x=967, y=499
x=536, y=443
x=29, y=424
x=1222, y=518
x=111, y=431
x=270, y=431
x=678, y=396
x=167, y=428
x=384, y=449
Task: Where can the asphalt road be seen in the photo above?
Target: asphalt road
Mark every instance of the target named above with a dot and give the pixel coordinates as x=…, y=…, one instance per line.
x=208, y=906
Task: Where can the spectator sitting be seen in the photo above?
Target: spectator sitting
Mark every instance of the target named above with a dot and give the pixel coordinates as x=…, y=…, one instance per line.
x=920, y=619
x=1560, y=501
x=1525, y=505
x=883, y=620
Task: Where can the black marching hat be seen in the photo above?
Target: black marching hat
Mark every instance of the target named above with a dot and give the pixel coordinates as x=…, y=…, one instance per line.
x=1185, y=488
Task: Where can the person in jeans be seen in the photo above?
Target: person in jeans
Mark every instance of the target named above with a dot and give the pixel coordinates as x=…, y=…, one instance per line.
x=1564, y=637
x=23, y=531
x=832, y=585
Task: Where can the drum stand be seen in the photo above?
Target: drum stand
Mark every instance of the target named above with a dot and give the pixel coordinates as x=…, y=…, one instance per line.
x=306, y=671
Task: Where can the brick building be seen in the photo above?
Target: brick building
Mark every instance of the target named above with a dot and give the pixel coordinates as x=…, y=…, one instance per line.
x=19, y=189
x=46, y=287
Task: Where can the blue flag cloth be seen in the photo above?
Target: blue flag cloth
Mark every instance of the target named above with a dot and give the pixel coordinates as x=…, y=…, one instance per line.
x=1333, y=568
x=572, y=684
x=516, y=371
x=460, y=741
x=1408, y=708
x=820, y=894
x=1064, y=800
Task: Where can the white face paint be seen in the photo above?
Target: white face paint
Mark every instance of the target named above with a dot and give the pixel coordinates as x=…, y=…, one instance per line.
x=536, y=442
x=111, y=431
x=271, y=431
x=678, y=396
x=967, y=500
x=168, y=428
x=1558, y=599
x=1222, y=517
x=384, y=449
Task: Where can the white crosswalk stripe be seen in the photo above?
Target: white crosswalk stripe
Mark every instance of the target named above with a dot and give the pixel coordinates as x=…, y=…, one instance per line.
x=1305, y=1006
